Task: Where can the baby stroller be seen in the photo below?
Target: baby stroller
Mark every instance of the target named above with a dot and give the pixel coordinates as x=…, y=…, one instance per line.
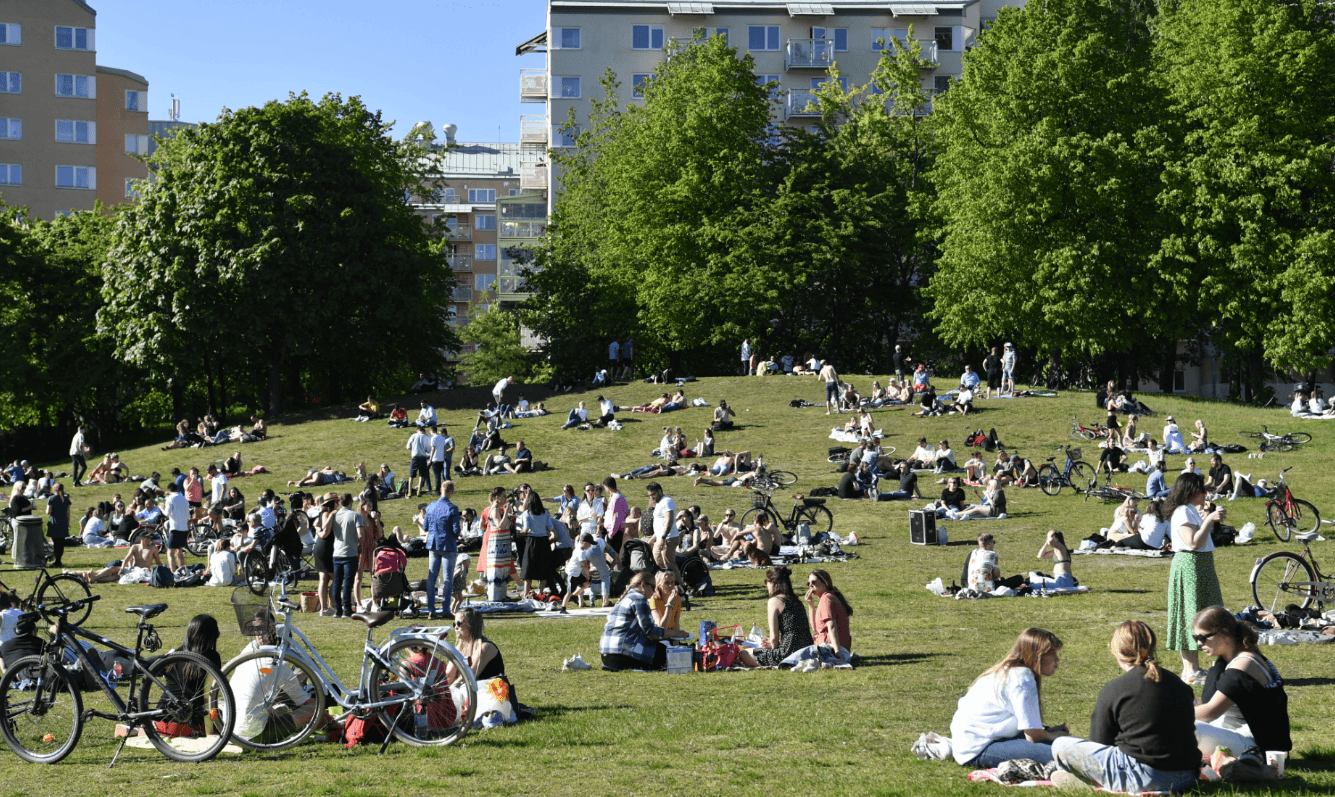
x=389, y=579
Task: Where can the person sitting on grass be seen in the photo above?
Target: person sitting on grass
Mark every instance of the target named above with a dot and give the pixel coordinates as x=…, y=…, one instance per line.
x=222, y=564
x=1152, y=529
x=755, y=542
x=1243, y=704
x=579, y=415
x=398, y=417
x=789, y=628
x=468, y=464
x=1054, y=548
x=368, y=410
x=143, y=553
x=943, y=459
x=830, y=611
x=975, y=470
x=499, y=462
x=631, y=640
x=993, y=503
x=665, y=604
x=723, y=415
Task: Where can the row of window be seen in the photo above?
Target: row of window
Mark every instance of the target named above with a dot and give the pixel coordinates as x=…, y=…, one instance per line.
x=763, y=38
x=66, y=176
x=72, y=131
x=67, y=38
x=476, y=196
x=480, y=251
x=82, y=86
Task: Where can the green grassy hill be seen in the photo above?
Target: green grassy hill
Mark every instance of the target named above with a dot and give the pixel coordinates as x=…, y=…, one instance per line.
x=770, y=732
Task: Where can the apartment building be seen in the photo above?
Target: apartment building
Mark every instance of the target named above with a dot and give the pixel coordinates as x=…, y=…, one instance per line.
x=480, y=180
x=69, y=126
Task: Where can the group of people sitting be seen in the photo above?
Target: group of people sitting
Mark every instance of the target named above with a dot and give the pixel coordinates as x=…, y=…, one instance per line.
x=1307, y=404
x=208, y=431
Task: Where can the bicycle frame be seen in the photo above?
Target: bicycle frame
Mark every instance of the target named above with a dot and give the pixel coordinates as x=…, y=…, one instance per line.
x=66, y=633
x=38, y=581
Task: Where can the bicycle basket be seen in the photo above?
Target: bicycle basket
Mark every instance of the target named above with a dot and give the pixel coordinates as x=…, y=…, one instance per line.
x=1076, y=453
x=253, y=614
x=759, y=500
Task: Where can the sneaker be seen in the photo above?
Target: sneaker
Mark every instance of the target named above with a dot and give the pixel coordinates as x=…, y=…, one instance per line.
x=327, y=613
x=1067, y=780
x=577, y=662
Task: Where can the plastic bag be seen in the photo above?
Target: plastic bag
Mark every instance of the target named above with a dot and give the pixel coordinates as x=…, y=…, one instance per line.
x=937, y=587
x=932, y=746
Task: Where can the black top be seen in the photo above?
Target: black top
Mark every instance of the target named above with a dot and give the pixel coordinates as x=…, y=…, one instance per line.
x=899, y=361
x=953, y=498
x=847, y=487
x=494, y=668
x=1113, y=455
x=1221, y=477
x=1265, y=706
x=909, y=482
x=999, y=503
x=1154, y=722
x=992, y=364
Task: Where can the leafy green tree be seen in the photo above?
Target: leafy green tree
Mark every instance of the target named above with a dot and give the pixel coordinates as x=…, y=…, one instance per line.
x=499, y=352
x=1253, y=184
x=1052, y=152
x=276, y=244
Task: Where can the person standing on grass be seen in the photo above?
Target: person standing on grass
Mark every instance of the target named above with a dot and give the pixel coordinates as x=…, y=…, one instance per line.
x=178, y=525
x=613, y=357
x=1193, y=584
x=1008, y=368
x=419, y=448
x=832, y=380
x=347, y=530
x=901, y=361
x=58, y=522
x=79, y=449
x=442, y=544
x=746, y=356
x=616, y=510
x=442, y=450
x=627, y=359
x=498, y=392
x=992, y=367
x=667, y=537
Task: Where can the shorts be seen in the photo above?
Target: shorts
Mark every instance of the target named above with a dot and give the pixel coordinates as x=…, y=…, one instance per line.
x=196, y=504
x=577, y=581
x=177, y=540
x=216, y=507
x=831, y=391
x=994, y=380
x=418, y=467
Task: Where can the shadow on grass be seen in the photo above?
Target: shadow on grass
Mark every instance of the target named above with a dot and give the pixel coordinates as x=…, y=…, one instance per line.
x=1131, y=592
x=547, y=712
x=1312, y=682
x=891, y=659
x=737, y=590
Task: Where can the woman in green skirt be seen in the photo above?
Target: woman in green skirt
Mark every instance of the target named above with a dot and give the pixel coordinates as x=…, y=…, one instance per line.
x=1192, y=582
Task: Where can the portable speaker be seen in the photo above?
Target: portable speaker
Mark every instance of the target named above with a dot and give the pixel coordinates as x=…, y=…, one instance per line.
x=922, y=527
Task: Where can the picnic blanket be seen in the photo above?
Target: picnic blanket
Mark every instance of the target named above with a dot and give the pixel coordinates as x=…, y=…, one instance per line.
x=992, y=776
x=939, y=589
x=1292, y=636
x=1124, y=552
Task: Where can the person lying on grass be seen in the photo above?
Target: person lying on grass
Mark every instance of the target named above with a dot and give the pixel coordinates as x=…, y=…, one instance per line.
x=142, y=554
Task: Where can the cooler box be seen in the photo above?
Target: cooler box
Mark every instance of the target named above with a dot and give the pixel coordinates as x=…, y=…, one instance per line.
x=29, y=542
x=922, y=527
x=678, y=659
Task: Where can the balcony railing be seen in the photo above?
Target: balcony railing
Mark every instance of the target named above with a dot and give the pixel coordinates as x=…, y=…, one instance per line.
x=460, y=262
x=462, y=294
x=532, y=85
x=460, y=232
x=802, y=102
x=809, y=54
x=532, y=175
x=523, y=229
x=929, y=53
x=533, y=130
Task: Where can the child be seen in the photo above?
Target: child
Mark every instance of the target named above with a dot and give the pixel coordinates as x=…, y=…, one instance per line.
x=577, y=571
x=9, y=615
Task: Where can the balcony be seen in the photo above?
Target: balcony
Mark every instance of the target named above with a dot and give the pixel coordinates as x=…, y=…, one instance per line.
x=462, y=294
x=808, y=54
x=532, y=176
x=532, y=85
x=523, y=229
x=929, y=53
x=802, y=102
x=460, y=262
x=459, y=232
x=533, y=130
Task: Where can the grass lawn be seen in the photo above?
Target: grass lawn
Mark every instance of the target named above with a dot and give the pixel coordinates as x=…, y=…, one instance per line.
x=762, y=732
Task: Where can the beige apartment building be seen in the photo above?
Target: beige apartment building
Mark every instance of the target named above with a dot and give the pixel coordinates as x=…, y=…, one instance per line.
x=66, y=123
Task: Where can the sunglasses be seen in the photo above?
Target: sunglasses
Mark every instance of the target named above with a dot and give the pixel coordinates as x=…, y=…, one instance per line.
x=458, y=623
x=1201, y=639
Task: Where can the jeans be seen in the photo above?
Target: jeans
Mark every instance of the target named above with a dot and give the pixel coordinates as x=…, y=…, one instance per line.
x=1007, y=749
x=345, y=576
x=79, y=467
x=573, y=419
x=439, y=469
x=1210, y=736
x=1114, y=770
x=439, y=559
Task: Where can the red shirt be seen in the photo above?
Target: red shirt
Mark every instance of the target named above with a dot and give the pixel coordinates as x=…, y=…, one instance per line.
x=828, y=609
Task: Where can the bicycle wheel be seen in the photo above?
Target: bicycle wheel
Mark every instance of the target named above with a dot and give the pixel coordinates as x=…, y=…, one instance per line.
x=1298, y=438
x=1305, y=517
x=255, y=571
x=200, y=539
x=782, y=477
x=750, y=516
x=290, y=702
x=42, y=710
x=1252, y=435
x=284, y=567
x=818, y=517
x=1275, y=581
x=63, y=590
x=432, y=712
x=1277, y=445
x=189, y=697
x=1078, y=433
x=1082, y=475
x=153, y=536
x=1279, y=522
x=1049, y=480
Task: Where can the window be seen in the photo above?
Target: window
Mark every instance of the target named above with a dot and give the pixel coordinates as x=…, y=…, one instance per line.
x=131, y=188
x=723, y=32
x=839, y=35
x=566, y=87
x=940, y=84
x=449, y=195
x=11, y=129
x=565, y=38
x=513, y=192
x=72, y=132
x=484, y=282
x=74, y=38
x=880, y=37
x=563, y=137
x=76, y=177
x=11, y=33
x=762, y=80
x=1179, y=381
x=646, y=37
x=484, y=251
x=817, y=82
x=11, y=174
x=945, y=39
x=11, y=82
x=950, y=12
x=762, y=37
x=484, y=221
x=136, y=101
x=637, y=86
x=136, y=145
x=76, y=86
x=482, y=195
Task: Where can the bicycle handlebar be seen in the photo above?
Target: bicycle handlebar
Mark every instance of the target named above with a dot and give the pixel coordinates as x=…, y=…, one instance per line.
x=65, y=608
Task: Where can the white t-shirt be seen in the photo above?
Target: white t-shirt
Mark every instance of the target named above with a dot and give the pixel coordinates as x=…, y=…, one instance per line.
x=1152, y=532
x=255, y=687
x=438, y=448
x=587, y=514
x=994, y=708
x=222, y=569
x=77, y=444
x=500, y=386
x=606, y=407
x=1189, y=515
x=219, y=484
x=9, y=621
x=522, y=405
x=665, y=513
x=94, y=527
x=575, y=565
x=178, y=512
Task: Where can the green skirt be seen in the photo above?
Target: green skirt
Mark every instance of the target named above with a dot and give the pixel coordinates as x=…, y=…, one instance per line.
x=1192, y=585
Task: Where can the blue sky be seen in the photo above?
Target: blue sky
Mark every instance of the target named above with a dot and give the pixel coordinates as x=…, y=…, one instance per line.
x=413, y=60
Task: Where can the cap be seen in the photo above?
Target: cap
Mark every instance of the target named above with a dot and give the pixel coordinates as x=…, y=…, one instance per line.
x=1010, y=345
x=1169, y=419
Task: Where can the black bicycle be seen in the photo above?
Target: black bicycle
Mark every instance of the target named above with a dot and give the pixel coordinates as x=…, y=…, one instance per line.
x=811, y=511
x=61, y=589
x=180, y=701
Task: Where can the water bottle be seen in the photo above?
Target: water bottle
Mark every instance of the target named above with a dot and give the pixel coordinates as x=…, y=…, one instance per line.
x=419, y=720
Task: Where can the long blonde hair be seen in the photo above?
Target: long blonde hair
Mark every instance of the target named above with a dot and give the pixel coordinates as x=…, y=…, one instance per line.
x=1028, y=652
x=1133, y=643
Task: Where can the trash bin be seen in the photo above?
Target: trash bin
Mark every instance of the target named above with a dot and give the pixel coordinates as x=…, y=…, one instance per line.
x=29, y=542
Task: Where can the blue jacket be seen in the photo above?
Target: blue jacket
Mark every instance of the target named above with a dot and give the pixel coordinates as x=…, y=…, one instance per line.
x=442, y=526
x=1156, y=486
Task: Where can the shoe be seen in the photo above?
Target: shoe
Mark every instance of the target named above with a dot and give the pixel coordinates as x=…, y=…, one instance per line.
x=1067, y=780
x=327, y=613
x=1198, y=679
x=577, y=662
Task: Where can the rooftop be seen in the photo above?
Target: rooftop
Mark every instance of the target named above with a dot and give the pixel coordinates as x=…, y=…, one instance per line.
x=481, y=159
x=903, y=8
x=123, y=73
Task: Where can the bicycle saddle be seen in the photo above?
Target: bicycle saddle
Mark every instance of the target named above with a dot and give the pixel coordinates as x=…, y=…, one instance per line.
x=147, y=612
x=1306, y=536
x=373, y=619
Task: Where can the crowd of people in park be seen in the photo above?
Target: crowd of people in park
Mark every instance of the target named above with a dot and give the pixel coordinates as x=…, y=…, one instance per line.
x=589, y=544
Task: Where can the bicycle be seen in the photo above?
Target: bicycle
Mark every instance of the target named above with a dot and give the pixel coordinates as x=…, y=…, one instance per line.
x=405, y=680
x=1278, y=442
x=61, y=589
x=266, y=562
x=1292, y=578
x=173, y=696
x=1113, y=492
x=1089, y=433
x=811, y=511
x=1284, y=513
x=1075, y=473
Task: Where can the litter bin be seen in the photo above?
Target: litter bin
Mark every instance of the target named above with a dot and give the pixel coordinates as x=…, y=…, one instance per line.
x=29, y=542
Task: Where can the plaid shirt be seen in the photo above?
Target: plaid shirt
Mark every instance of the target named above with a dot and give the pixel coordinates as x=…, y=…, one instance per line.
x=629, y=628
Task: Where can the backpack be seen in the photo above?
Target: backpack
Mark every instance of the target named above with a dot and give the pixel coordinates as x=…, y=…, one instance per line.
x=161, y=576
x=189, y=577
x=1233, y=448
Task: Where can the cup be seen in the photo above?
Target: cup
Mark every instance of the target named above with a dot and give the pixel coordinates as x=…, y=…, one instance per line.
x=1276, y=759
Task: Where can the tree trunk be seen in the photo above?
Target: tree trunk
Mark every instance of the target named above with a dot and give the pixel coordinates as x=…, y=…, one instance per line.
x=1167, y=367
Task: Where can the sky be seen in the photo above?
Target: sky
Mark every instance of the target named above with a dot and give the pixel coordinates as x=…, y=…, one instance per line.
x=443, y=62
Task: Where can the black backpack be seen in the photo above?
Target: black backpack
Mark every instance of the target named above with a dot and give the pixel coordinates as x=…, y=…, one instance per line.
x=161, y=576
